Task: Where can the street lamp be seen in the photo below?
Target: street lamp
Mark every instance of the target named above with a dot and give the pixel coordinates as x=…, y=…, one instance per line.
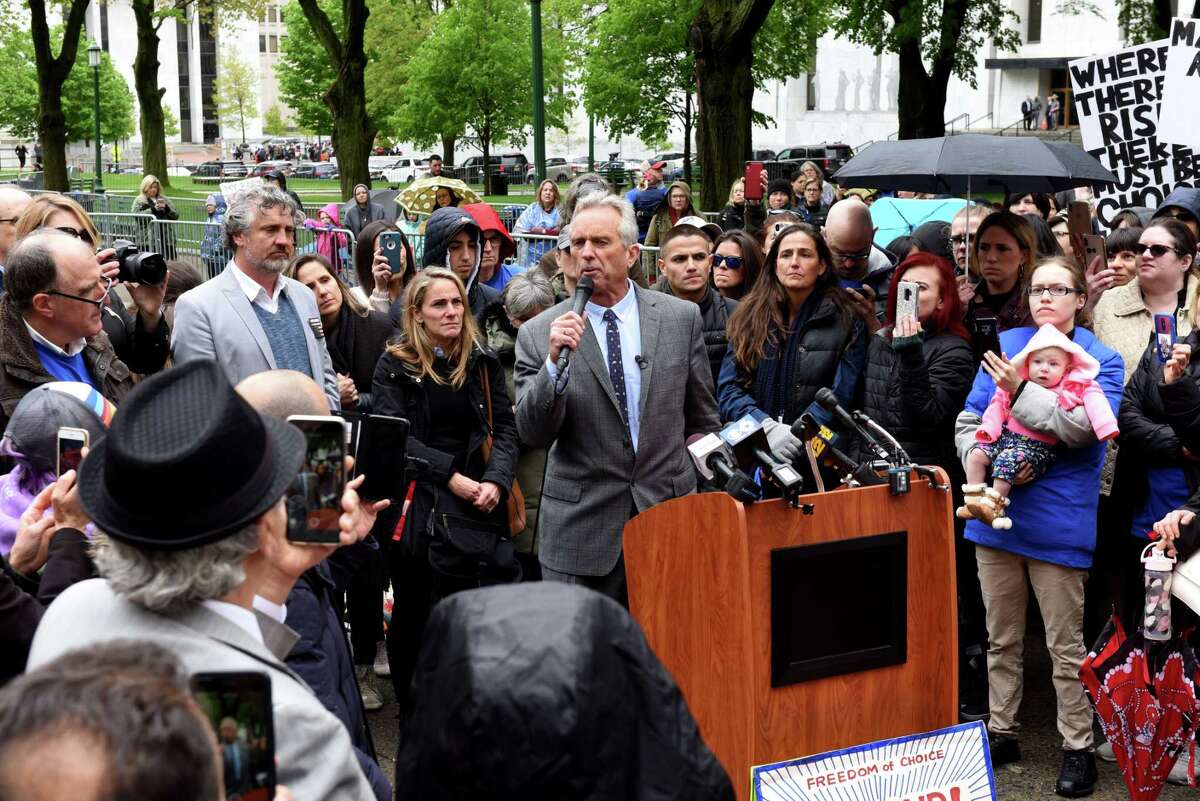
x=94, y=62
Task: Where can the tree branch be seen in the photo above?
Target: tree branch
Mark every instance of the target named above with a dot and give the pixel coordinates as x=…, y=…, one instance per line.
x=318, y=20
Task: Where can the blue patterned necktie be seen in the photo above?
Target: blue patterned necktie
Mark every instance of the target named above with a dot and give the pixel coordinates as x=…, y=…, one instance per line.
x=616, y=369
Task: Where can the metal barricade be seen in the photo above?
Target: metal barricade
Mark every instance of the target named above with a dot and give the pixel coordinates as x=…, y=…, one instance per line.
x=200, y=244
x=532, y=247
x=134, y=227
x=338, y=247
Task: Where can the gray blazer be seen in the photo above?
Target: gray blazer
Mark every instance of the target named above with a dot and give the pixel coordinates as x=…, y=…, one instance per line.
x=594, y=481
x=315, y=758
x=215, y=321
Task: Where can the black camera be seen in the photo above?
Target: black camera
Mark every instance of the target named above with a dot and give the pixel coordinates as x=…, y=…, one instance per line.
x=137, y=267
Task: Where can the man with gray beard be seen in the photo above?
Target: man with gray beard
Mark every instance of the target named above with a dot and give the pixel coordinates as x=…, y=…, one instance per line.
x=250, y=318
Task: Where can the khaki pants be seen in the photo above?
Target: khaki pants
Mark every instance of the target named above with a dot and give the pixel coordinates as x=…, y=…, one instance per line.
x=1059, y=593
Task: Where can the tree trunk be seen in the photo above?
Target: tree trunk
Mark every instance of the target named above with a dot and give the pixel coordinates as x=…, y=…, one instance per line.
x=52, y=72
x=353, y=131
x=687, y=140
x=485, y=144
x=448, y=150
x=921, y=104
x=150, y=94
x=721, y=38
x=52, y=130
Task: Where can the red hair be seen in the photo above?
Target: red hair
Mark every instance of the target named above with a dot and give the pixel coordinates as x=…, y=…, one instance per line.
x=948, y=318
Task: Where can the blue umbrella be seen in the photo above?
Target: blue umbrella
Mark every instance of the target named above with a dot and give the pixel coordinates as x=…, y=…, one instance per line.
x=895, y=217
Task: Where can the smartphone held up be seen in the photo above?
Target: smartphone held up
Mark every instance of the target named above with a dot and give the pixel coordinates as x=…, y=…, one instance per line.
x=237, y=704
x=314, y=501
x=71, y=444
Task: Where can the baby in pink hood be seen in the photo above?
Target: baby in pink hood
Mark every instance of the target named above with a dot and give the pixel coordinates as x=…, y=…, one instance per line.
x=1051, y=360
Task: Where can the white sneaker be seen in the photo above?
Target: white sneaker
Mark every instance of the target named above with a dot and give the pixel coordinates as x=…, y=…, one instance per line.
x=1104, y=751
x=366, y=686
x=382, y=668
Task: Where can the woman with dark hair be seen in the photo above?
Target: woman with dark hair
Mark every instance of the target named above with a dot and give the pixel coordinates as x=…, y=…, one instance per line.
x=374, y=270
x=919, y=368
x=441, y=377
x=1003, y=252
x=1053, y=535
x=902, y=246
x=1046, y=242
x=356, y=335
x=1123, y=249
x=1029, y=203
x=737, y=261
x=795, y=332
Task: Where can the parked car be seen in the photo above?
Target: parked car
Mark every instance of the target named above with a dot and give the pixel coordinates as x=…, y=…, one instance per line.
x=262, y=168
x=557, y=170
x=220, y=169
x=511, y=165
x=579, y=165
x=829, y=157
x=676, y=174
x=404, y=170
x=762, y=155
x=315, y=169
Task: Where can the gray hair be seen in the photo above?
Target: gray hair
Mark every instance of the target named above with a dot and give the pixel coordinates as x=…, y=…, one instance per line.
x=627, y=229
x=528, y=294
x=165, y=581
x=581, y=186
x=245, y=207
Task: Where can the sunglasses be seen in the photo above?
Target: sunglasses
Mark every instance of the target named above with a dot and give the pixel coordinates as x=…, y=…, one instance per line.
x=1156, y=251
x=732, y=262
x=79, y=233
x=98, y=303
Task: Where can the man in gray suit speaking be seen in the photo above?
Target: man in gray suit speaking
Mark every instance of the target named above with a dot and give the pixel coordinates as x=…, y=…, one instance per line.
x=250, y=318
x=638, y=386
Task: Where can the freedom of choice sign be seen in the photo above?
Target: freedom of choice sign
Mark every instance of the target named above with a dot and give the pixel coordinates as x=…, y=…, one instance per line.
x=951, y=764
x=1119, y=102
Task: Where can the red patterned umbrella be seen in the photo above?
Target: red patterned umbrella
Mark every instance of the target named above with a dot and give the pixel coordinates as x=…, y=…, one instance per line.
x=1148, y=720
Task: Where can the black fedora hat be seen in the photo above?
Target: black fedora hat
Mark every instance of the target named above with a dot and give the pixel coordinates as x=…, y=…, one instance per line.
x=187, y=462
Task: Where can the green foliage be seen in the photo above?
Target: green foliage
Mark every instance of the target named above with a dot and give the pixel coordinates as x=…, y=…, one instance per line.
x=170, y=122
x=472, y=77
x=394, y=30
x=233, y=93
x=1137, y=20
x=273, y=123
x=19, y=91
x=303, y=72
x=933, y=23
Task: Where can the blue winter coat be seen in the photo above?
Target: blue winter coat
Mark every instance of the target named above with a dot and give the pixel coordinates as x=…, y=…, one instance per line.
x=1054, y=517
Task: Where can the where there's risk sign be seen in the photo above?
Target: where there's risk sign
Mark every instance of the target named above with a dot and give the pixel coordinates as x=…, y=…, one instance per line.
x=951, y=764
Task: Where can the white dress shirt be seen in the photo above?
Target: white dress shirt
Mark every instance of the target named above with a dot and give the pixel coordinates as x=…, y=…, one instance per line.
x=255, y=293
x=72, y=347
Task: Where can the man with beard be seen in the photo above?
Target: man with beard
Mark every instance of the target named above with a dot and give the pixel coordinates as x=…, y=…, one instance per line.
x=251, y=318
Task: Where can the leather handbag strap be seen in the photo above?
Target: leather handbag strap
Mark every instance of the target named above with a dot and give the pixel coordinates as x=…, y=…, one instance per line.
x=487, y=396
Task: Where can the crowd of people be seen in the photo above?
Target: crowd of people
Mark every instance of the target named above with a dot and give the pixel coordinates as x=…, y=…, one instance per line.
x=1067, y=444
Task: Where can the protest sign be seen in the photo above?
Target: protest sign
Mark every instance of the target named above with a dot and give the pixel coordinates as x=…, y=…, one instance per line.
x=1181, y=89
x=951, y=764
x=232, y=189
x=1117, y=99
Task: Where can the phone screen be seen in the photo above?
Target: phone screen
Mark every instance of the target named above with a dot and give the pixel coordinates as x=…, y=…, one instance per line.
x=71, y=442
x=314, y=501
x=382, y=452
x=393, y=249
x=1164, y=335
x=238, y=706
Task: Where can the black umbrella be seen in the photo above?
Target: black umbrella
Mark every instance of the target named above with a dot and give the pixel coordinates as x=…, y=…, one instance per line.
x=385, y=198
x=960, y=165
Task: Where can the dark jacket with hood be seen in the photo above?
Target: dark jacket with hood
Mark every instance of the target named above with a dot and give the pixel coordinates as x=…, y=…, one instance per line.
x=715, y=310
x=142, y=351
x=398, y=393
x=21, y=370
x=915, y=389
x=732, y=217
x=488, y=220
x=440, y=228
x=548, y=692
x=357, y=217
x=1182, y=197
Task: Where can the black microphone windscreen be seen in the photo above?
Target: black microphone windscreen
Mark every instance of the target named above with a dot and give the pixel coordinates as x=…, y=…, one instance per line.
x=826, y=398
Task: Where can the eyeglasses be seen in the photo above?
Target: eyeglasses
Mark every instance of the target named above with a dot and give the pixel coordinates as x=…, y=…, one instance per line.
x=78, y=233
x=1156, y=251
x=961, y=239
x=1057, y=291
x=732, y=262
x=98, y=303
x=851, y=258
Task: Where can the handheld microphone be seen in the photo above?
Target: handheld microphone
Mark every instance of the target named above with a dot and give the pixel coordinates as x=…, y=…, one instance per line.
x=583, y=293
x=829, y=402
x=714, y=462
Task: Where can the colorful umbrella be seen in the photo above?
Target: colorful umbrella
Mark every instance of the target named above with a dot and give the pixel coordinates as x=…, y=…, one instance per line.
x=418, y=197
x=1149, y=721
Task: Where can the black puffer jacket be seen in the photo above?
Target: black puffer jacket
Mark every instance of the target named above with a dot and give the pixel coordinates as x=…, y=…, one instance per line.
x=1157, y=421
x=548, y=692
x=398, y=393
x=715, y=310
x=732, y=217
x=916, y=392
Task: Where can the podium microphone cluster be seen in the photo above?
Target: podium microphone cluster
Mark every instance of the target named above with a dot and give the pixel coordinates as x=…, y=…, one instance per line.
x=716, y=463
x=829, y=402
x=583, y=293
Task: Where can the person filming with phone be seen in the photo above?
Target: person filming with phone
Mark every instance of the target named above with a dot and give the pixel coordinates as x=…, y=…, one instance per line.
x=196, y=555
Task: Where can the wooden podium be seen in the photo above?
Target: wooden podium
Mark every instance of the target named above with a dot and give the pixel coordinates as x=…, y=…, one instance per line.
x=700, y=584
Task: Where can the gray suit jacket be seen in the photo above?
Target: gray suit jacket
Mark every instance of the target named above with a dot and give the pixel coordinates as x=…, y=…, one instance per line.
x=594, y=479
x=315, y=756
x=215, y=321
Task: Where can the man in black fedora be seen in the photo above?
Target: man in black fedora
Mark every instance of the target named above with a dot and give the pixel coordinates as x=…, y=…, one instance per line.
x=188, y=491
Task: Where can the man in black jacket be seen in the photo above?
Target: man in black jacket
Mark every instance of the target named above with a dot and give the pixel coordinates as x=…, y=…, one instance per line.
x=685, y=268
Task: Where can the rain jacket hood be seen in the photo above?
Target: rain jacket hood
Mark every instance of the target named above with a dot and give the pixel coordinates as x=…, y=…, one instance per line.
x=489, y=220
x=1185, y=198
x=547, y=692
x=440, y=228
x=332, y=210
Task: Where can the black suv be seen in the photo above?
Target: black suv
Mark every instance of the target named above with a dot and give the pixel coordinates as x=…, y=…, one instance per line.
x=220, y=169
x=829, y=157
x=513, y=166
